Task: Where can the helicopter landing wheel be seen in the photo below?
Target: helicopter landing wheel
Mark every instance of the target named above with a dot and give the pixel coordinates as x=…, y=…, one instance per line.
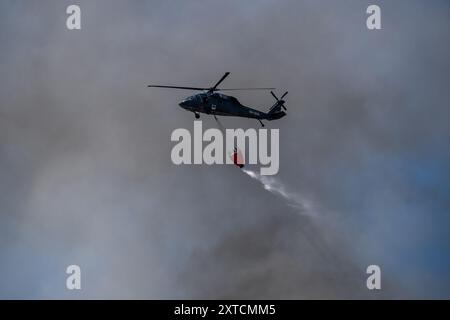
x=197, y=116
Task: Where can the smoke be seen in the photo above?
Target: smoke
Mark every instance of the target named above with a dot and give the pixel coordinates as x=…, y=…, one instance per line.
x=278, y=188
x=86, y=176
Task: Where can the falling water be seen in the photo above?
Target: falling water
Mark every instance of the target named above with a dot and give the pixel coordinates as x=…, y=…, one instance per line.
x=276, y=187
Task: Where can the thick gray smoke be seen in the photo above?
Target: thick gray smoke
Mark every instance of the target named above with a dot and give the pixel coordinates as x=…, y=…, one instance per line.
x=86, y=176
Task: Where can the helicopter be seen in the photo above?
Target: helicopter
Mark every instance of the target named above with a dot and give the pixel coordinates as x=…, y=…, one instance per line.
x=212, y=102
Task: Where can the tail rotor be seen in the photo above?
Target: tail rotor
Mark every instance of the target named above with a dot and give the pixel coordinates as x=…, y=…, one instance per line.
x=276, y=108
x=280, y=102
x=276, y=111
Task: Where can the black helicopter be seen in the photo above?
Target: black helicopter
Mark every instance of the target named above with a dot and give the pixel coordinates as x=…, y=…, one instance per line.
x=217, y=104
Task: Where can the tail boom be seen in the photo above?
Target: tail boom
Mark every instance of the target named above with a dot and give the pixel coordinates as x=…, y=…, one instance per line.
x=275, y=111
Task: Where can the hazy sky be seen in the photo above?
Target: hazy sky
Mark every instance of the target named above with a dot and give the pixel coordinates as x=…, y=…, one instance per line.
x=86, y=176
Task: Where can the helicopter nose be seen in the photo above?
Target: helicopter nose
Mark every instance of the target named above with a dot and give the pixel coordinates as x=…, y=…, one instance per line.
x=183, y=104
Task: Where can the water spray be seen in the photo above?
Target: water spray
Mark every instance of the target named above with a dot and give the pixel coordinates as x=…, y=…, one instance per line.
x=276, y=187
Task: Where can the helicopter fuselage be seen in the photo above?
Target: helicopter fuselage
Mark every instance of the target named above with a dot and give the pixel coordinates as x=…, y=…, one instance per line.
x=219, y=104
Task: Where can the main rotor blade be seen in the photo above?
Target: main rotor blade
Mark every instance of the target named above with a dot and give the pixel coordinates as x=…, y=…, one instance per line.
x=237, y=89
x=220, y=81
x=175, y=87
x=284, y=95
